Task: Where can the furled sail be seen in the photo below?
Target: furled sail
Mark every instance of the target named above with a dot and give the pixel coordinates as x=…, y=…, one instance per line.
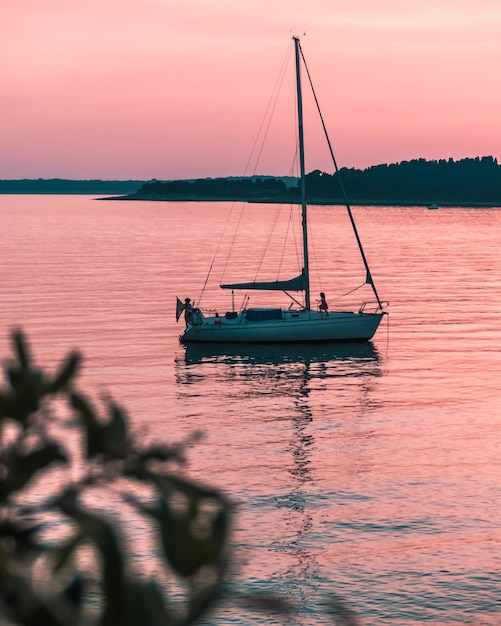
x=294, y=284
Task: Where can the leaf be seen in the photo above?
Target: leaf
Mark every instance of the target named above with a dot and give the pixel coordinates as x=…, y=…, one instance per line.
x=23, y=399
x=102, y=534
x=74, y=591
x=67, y=372
x=21, y=349
x=110, y=439
x=85, y=410
x=142, y=508
x=143, y=605
x=203, y=600
x=21, y=605
x=23, y=535
x=182, y=549
x=219, y=535
x=193, y=536
x=196, y=534
x=66, y=550
x=89, y=422
x=115, y=433
x=5, y=406
x=23, y=467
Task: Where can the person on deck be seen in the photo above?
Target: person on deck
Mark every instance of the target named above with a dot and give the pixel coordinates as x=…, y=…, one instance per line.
x=323, y=306
x=188, y=311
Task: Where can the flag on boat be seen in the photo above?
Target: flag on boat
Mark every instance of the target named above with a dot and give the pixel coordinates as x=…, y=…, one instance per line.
x=180, y=307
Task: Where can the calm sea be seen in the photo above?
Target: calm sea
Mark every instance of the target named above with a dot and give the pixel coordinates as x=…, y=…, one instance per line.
x=371, y=472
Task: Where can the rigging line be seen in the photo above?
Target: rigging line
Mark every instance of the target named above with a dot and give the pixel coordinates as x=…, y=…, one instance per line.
x=216, y=252
x=266, y=245
x=232, y=242
x=286, y=239
x=292, y=224
x=343, y=295
x=268, y=115
x=343, y=190
x=293, y=171
x=312, y=240
x=284, y=245
x=291, y=228
x=387, y=334
x=296, y=230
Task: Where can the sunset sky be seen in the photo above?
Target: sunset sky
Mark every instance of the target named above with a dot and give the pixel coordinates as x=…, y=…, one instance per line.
x=141, y=89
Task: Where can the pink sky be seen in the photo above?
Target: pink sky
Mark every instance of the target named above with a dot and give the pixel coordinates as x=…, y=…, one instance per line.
x=142, y=89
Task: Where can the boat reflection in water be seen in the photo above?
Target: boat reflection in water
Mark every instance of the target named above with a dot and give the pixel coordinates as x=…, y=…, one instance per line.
x=304, y=353
x=277, y=410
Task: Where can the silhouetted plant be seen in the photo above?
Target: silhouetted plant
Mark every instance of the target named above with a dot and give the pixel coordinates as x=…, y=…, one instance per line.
x=191, y=520
x=83, y=575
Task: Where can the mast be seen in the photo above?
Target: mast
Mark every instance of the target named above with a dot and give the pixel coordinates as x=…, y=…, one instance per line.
x=306, y=271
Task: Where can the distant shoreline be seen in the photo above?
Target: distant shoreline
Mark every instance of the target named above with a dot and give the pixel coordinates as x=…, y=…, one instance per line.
x=62, y=186
x=311, y=201
x=467, y=183
x=256, y=200
x=470, y=182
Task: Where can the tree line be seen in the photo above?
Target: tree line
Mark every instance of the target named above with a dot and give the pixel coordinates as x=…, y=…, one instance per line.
x=255, y=187
x=66, y=186
x=468, y=181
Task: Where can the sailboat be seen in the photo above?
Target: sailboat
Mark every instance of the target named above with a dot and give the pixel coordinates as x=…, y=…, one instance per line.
x=303, y=323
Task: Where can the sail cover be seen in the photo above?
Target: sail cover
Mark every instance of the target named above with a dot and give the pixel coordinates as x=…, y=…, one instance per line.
x=293, y=284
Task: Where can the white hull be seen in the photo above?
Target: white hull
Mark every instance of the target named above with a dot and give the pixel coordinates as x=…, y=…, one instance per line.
x=295, y=326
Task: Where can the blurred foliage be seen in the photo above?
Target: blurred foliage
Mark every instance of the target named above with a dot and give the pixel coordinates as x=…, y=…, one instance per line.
x=63, y=553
